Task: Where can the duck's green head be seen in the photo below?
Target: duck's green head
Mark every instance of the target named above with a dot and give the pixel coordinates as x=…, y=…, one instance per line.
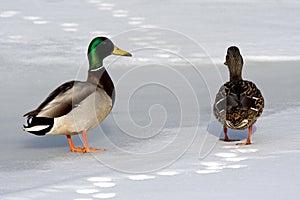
x=100, y=48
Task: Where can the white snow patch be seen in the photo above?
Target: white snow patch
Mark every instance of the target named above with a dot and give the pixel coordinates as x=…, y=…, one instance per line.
x=272, y=58
x=226, y=155
x=236, y=159
x=137, y=18
x=70, y=29
x=39, y=22
x=8, y=13
x=134, y=22
x=120, y=13
x=231, y=147
x=99, y=179
x=87, y=191
x=215, y=167
x=235, y=166
x=69, y=24
x=31, y=18
x=104, y=195
x=104, y=184
x=49, y=190
x=207, y=171
x=140, y=177
x=149, y=26
x=168, y=173
x=106, y=6
x=212, y=164
x=15, y=37
x=245, y=150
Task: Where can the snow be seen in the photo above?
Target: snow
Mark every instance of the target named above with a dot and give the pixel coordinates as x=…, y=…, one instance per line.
x=161, y=137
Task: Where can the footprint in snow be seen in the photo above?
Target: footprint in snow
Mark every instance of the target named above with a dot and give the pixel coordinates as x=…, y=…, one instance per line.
x=167, y=173
x=120, y=13
x=106, y=6
x=40, y=22
x=16, y=39
x=217, y=166
x=136, y=21
x=31, y=18
x=141, y=177
x=245, y=150
x=69, y=27
x=103, y=183
x=231, y=157
x=87, y=191
x=104, y=195
x=35, y=20
x=99, y=179
x=8, y=13
x=207, y=171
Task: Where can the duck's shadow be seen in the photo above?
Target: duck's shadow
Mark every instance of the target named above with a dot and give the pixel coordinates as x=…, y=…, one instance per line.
x=216, y=129
x=46, y=142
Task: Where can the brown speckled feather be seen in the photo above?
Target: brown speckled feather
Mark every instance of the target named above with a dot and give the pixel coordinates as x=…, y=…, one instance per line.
x=238, y=104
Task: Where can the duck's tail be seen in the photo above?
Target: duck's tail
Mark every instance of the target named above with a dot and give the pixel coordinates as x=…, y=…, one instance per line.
x=38, y=125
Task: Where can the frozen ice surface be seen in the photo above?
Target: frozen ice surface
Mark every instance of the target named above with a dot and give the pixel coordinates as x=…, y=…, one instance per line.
x=161, y=138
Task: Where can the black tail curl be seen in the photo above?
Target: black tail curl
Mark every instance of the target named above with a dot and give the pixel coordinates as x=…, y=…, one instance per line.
x=39, y=121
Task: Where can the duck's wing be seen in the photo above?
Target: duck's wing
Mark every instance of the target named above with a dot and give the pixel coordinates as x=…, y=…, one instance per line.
x=252, y=98
x=63, y=99
x=241, y=95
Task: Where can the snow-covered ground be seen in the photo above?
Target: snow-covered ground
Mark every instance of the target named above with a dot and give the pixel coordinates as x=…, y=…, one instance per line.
x=161, y=138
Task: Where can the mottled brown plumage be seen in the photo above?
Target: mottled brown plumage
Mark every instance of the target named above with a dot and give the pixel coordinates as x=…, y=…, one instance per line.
x=239, y=103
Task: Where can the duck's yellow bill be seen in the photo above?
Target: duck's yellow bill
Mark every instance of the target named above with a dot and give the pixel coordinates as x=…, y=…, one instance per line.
x=120, y=52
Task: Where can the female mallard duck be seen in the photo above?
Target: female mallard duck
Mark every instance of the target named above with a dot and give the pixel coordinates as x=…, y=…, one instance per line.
x=76, y=107
x=238, y=103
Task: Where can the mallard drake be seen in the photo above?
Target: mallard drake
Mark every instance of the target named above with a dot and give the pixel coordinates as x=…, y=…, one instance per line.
x=75, y=106
x=239, y=103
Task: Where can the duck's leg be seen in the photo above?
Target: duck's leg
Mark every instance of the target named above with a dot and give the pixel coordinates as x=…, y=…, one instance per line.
x=72, y=147
x=86, y=145
x=226, y=138
x=248, y=138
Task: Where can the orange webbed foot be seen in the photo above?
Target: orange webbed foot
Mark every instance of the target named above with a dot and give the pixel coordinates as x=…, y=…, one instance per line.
x=77, y=149
x=85, y=149
x=93, y=150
